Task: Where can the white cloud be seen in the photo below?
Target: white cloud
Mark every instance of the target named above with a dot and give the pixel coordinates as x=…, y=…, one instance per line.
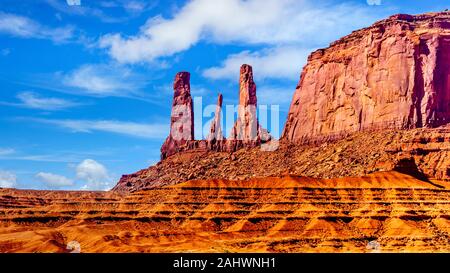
x=95, y=175
x=7, y=179
x=103, y=80
x=23, y=27
x=83, y=10
x=54, y=180
x=135, y=6
x=99, y=9
x=281, y=63
x=73, y=2
x=5, y=52
x=6, y=151
x=32, y=100
x=271, y=22
x=151, y=131
x=374, y=2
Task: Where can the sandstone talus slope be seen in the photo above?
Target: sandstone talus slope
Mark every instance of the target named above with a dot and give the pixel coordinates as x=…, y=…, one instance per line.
x=421, y=152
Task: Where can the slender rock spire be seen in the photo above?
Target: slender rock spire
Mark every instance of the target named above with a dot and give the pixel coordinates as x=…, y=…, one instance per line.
x=246, y=126
x=215, y=133
x=182, y=116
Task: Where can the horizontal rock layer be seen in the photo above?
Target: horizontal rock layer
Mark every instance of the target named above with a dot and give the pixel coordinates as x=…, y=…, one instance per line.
x=393, y=211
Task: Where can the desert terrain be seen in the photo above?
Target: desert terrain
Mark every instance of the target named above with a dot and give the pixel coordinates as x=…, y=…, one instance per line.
x=362, y=164
x=279, y=214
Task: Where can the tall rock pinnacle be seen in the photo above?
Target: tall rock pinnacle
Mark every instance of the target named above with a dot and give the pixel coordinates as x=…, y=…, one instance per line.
x=246, y=126
x=215, y=132
x=182, y=116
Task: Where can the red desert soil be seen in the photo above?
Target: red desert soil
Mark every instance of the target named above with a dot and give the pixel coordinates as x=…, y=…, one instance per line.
x=281, y=214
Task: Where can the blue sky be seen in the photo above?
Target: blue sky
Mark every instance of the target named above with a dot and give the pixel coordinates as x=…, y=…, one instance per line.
x=85, y=90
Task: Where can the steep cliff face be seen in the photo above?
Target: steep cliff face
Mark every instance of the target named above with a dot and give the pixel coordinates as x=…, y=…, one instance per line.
x=394, y=74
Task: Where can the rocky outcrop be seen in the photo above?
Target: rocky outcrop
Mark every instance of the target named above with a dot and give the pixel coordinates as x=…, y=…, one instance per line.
x=215, y=132
x=423, y=153
x=394, y=74
x=348, y=114
x=246, y=133
x=182, y=116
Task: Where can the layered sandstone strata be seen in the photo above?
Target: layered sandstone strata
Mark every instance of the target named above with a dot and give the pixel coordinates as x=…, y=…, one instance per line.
x=273, y=214
x=394, y=74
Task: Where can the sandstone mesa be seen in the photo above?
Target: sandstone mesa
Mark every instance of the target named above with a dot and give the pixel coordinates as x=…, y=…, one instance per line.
x=391, y=75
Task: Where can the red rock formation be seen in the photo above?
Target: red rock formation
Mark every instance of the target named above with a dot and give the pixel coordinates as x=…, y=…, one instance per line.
x=247, y=132
x=270, y=214
x=394, y=74
x=215, y=133
x=182, y=116
x=246, y=126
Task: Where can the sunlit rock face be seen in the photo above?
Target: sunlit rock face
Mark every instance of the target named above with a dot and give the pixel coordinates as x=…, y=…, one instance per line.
x=393, y=74
x=215, y=131
x=182, y=116
x=246, y=133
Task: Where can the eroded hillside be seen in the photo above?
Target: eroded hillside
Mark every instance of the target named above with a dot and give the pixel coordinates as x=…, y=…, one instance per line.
x=287, y=214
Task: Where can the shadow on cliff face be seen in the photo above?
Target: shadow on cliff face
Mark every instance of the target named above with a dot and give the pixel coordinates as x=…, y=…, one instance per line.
x=408, y=166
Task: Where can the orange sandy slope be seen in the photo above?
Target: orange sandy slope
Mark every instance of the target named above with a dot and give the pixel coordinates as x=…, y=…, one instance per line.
x=287, y=214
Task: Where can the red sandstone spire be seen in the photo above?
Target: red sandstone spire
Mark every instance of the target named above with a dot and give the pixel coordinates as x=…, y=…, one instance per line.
x=246, y=126
x=215, y=132
x=182, y=116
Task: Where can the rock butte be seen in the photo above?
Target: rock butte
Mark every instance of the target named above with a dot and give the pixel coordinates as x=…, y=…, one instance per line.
x=215, y=132
x=182, y=116
x=394, y=74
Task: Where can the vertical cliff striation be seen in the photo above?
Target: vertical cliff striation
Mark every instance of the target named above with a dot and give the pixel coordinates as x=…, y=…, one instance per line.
x=394, y=74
